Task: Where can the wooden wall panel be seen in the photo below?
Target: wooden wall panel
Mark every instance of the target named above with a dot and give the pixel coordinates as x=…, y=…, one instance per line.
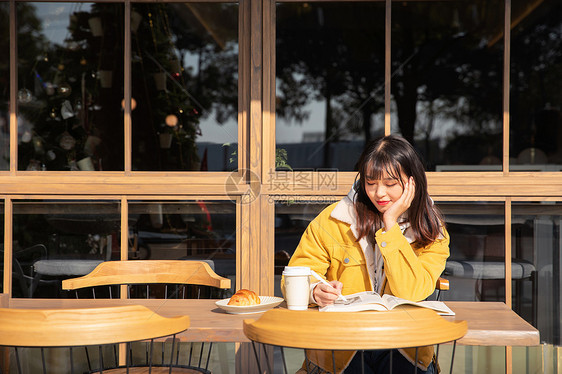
x=13, y=89
x=539, y=184
x=87, y=183
x=7, y=281
x=267, y=211
x=128, y=132
x=483, y=184
x=255, y=145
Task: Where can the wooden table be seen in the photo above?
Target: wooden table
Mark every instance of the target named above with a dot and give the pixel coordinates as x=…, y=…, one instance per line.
x=489, y=323
x=493, y=324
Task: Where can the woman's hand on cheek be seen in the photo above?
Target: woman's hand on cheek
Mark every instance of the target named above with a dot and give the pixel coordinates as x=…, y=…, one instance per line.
x=325, y=295
x=400, y=206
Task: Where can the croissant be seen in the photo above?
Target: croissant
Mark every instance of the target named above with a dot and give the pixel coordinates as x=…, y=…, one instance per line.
x=244, y=297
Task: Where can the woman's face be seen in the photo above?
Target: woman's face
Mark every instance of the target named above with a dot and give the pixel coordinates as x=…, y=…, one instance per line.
x=384, y=192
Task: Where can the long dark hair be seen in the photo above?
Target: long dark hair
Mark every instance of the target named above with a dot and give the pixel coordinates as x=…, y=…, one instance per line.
x=394, y=155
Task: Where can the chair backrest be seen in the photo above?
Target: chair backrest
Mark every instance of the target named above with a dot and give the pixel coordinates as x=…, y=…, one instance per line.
x=84, y=327
x=146, y=278
x=399, y=328
x=141, y=272
x=22, y=261
x=442, y=284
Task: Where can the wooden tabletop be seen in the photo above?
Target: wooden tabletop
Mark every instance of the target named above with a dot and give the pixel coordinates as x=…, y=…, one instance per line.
x=489, y=323
x=494, y=324
x=402, y=327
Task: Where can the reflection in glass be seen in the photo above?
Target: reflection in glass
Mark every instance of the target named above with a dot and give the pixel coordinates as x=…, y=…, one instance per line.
x=291, y=219
x=476, y=266
x=185, y=85
x=4, y=86
x=185, y=230
x=446, y=85
x=69, y=237
x=537, y=239
x=70, y=75
x=330, y=80
x=536, y=98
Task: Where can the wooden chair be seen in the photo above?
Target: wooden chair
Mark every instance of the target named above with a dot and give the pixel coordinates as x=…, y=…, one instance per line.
x=492, y=268
x=22, y=270
x=179, y=279
x=40, y=329
x=441, y=285
x=403, y=327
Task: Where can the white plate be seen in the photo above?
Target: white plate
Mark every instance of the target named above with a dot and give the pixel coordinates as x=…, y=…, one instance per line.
x=267, y=302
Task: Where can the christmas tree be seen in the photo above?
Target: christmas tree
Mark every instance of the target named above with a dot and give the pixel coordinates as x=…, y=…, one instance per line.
x=71, y=96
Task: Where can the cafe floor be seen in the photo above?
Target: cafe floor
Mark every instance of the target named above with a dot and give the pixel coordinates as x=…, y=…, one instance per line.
x=468, y=360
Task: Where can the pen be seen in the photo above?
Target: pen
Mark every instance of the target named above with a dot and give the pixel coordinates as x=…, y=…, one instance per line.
x=315, y=274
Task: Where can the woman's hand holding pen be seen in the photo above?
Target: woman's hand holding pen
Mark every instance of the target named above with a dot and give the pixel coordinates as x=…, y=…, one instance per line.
x=400, y=206
x=325, y=295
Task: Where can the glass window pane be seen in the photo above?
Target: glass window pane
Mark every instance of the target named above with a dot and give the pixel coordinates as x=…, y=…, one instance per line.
x=4, y=86
x=70, y=61
x=185, y=230
x=185, y=85
x=291, y=219
x=476, y=266
x=330, y=81
x=446, y=85
x=537, y=239
x=58, y=239
x=536, y=98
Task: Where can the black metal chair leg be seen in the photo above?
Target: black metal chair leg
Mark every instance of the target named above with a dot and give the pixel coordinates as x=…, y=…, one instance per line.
x=149, y=357
x=267, y=359
x=43, y=361
x=71, y=362
x=208, y=355
x=201, y=354
x=362, y=362
x=257, y=356
x=190, y=353
x=453, y=356
x=172, y=353
x=309, y=364
x=18, y=360
x=284, y=362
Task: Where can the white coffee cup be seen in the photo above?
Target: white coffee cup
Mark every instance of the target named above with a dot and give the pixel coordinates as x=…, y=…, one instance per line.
x=297, y=287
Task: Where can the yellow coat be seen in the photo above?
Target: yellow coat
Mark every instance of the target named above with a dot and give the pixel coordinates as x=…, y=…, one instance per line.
x=329, y=246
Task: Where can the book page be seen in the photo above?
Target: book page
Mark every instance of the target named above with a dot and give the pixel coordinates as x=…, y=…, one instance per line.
x=439, y=306
x=367, y=300
x=370, y=300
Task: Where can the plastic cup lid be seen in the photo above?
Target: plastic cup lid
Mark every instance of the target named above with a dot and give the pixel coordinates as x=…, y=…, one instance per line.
x=296, y=270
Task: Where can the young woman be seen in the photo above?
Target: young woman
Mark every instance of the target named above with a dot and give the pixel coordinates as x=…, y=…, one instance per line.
x=386, y=235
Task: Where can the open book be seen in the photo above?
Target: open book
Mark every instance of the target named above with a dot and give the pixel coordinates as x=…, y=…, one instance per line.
x=370, y=300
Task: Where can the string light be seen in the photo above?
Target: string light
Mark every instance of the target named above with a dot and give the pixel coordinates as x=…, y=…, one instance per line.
x=133, y=104
x=171, y=120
